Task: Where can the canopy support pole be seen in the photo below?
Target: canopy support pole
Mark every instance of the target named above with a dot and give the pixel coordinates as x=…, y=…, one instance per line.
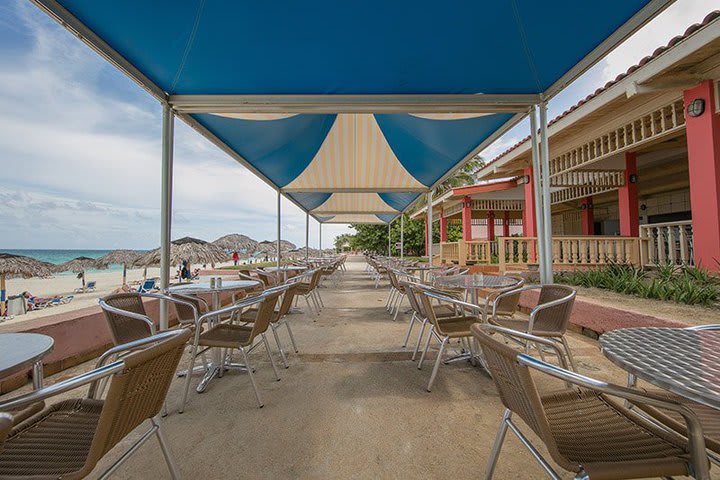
x=537, y=191
x=307, y=236
x=168, y=127
x=389, y=248
x=279, y=197
x=320, y=238
x=402, y=236
x=430, y=227
x=547, y=220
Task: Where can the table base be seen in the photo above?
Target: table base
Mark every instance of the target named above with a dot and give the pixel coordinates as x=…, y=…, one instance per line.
x=216, y=372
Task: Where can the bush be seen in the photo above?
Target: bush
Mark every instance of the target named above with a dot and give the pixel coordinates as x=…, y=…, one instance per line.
x=688, y=285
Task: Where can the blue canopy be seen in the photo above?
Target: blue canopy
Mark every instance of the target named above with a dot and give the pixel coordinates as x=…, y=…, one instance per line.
x=253, y=76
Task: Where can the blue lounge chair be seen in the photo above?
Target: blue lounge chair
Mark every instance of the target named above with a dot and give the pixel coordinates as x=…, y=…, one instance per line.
x=89, y=287
x=147, y=286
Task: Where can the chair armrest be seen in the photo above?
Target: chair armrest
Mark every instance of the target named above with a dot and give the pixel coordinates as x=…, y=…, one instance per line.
x=550, y=304
x=62, y=387
x=700, y=328
x=529, y=337
x=454, y=301
x=696, y=438
x=134, y=345
x=168, y=298
x=253, y=279
x=190, y=298
x=125, y=313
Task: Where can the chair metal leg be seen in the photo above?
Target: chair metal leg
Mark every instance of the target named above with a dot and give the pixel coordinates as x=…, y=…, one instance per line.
x=252, y=376
x=292, y=338
x=193, y=356
x=279, y=345
x=399, y=304
x=407, y=337
x=499, y=439
x=419, y=339
x=165, y=450
x=437, y=363
x=308, y=304
x=571, y=359
x=269, y=354
x=427, y=346
x=322, y=304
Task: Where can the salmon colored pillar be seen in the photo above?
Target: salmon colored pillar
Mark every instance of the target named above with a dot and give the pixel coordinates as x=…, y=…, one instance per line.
x=443, y=226
x=467, y=219
x=426, y=236
x=529, y=222
x=703, y=142
x=506, y=224
x=490, y=226
x=628, y=199
x=588, y=217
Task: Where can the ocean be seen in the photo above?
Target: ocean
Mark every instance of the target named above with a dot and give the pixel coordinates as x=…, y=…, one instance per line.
x=60, y=256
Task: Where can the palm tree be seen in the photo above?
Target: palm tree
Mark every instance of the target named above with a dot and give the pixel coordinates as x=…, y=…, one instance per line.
x=464, y=176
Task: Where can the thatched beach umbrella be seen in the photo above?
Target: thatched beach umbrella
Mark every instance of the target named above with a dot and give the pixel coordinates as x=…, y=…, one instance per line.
x=236, y=242
x=126, y=257
x=21, y=266
x=187, y=249
x=79, y=265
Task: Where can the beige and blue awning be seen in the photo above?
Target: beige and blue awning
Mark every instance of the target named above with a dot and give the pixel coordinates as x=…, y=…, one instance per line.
x=352, y=108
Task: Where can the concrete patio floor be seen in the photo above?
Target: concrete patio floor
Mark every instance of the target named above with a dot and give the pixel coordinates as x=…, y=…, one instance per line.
x=351, y=405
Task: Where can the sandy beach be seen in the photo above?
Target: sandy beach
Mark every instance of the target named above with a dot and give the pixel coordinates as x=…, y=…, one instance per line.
x=106, y=283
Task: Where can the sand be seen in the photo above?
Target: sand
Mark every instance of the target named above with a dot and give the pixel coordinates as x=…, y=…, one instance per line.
x=106, y=283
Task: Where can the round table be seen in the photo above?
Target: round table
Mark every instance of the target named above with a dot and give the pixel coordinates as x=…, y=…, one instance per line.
x=20, y=351
x=285, y=269
x=475, y=282
x=213, y=369
x=424, y=269
x=685, y=362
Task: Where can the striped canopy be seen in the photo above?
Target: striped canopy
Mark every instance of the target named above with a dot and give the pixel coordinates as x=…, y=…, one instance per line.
x=335, y=82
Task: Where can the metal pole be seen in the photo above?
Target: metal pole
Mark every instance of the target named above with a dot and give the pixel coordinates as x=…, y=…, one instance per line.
x=547, y=220
x=402, y=236
x=537, y=190
x=320, y=237
x=307, y=236
x=430, y=227
x=278, y=229
x=168, y=126
x=389, y=248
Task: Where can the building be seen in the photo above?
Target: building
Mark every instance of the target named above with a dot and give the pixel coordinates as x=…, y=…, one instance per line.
x=634, y=172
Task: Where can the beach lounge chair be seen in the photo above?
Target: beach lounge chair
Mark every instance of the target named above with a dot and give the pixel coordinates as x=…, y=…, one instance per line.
x=147, y=286
x=89, y=287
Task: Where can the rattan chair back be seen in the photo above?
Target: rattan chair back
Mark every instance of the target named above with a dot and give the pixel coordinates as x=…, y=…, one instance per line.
x=186, y=315
x=287, y=300
x=554, y=319
x=516, y=386
x=123, y=328
x=265, y=314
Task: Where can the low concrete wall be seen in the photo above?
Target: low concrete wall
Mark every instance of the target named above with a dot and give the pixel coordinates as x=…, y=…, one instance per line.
x=593, y=320
x=79, y=335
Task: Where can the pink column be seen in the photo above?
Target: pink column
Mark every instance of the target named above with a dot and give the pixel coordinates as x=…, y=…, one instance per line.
x=443, y=226
x=703, y=142
x=466, y=219
x=490, y=226
x=588, y=218
x=628, y=199
x=506, y=224
x=529, y=223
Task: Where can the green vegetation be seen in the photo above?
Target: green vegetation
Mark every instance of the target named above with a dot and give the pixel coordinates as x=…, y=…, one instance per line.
x=688, y=285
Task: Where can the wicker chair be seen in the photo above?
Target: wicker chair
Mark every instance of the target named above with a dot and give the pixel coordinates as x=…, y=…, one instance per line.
x=68, y=438
x=414, y=291
x=450, y=328
x=585, y=429
x=549, y=318
x=231, y=336
x=307, y=290
x=126, y=317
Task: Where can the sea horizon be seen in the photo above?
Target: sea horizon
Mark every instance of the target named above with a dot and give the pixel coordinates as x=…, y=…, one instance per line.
x=62, y=255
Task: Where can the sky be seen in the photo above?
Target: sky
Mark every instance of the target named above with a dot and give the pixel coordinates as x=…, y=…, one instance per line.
x=80, y=146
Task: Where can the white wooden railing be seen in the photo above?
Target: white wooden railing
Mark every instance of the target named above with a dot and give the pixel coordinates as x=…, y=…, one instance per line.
x=670, y=242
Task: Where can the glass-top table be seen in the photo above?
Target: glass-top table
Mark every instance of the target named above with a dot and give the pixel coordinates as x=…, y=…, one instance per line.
x=684, y=361
x=19, y=351
x=475, y=282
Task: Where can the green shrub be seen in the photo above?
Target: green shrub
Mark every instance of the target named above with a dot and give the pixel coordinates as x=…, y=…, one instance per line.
x=688, y=285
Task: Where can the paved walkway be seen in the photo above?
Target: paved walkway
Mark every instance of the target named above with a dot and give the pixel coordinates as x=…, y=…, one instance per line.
x=351, y=405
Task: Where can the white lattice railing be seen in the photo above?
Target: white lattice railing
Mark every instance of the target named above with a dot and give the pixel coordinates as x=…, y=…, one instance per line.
x=660, y=122
x=670, y=242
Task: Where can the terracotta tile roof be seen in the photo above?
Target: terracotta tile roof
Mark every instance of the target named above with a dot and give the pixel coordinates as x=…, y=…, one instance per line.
x=658, y=51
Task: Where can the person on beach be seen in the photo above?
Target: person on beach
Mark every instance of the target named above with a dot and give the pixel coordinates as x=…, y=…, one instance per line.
x=235, y=258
